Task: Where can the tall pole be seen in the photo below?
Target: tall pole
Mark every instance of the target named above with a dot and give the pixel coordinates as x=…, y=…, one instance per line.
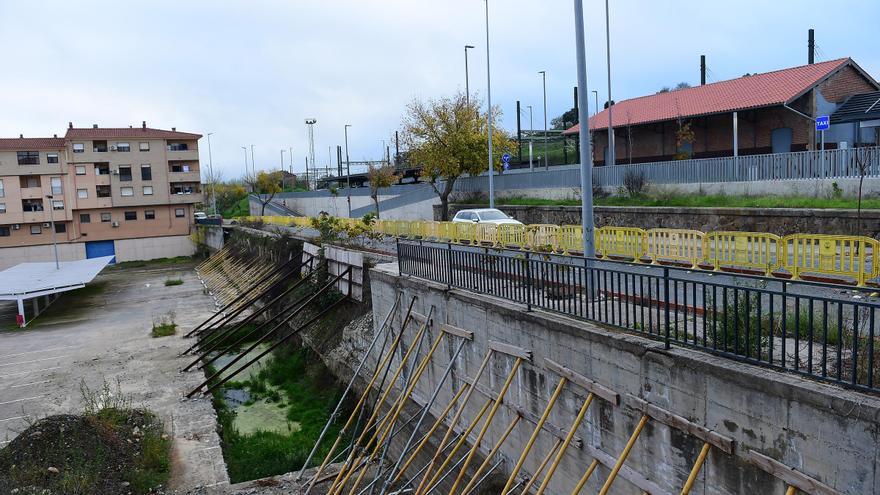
x=467, y=89
x=290, y=154
x=544, y=82
x=596, y=94
x=583, y=137
x=347, y=171
x=531, y=139
x=253, y=162
x=246, y=171
x=213, y=178
x=489, y=114
x=518, y=132
x=282, y=159
x=54, y=241
x=612, y=155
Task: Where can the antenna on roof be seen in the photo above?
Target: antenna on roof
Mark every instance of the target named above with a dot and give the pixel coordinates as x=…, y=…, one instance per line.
x=702, y=70
x=811, y=46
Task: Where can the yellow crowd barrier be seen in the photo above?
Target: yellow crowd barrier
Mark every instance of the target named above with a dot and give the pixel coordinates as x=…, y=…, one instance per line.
x=851, y=257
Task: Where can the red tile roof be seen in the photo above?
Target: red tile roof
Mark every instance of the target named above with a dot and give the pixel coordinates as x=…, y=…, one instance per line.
x=31, y=144
x=127, y=132
x=747, y=92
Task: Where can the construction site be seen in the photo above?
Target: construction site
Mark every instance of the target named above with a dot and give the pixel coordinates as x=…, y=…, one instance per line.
x=467, y=369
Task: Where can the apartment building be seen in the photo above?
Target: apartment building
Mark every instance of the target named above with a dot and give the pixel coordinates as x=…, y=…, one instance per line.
x=129, y=192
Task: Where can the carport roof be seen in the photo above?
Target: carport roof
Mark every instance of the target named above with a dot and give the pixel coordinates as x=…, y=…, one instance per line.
x=27, y=280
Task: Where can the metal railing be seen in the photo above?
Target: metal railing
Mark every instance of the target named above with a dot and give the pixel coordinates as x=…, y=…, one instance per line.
x=811, y=329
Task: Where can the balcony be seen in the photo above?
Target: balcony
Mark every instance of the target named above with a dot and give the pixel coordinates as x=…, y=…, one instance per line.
x=32, y=192
x=191, y=176
x=185, y=193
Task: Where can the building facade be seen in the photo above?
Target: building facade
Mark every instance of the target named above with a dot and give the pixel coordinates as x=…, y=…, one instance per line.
x=126, y=191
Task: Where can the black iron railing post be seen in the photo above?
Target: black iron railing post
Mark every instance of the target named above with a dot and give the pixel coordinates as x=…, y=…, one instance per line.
x=397, y=250
x=528, y=264
x=666, y=305
x=449, y=266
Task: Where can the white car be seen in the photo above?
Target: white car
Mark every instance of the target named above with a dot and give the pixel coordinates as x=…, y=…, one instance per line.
x=485, y=215
x=200, y=215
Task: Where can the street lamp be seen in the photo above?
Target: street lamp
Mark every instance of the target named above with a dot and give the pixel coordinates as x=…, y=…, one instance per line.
x=596, y=94
x=253, y=162
x=586, y=157
x=347, y=171
x=489, y=114
x=544, y=80
x=246, y=171
x=282, y=160
x=54, y=241
x=612, y=155
x=531, y=139
x=211, y=169
x=467, y=92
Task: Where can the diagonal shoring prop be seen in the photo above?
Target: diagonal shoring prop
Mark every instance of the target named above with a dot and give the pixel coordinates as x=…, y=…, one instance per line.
x=565, y=443
x=382, y=368
x=452, y=424
x=472, y=484
x=344, y=470
x=357, y=371
x=259, y=341
x=541, y=466
x=692, y=477
x=624, y=455
x=485, y=476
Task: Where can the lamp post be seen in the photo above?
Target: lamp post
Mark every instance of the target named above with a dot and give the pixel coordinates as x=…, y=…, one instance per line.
x=213, y=178
x=596, y=94
x=282, y=159
x=467, y=91
x=246, y=171
x=489, y=114
x=531, y=139
x=586, y=157
x=612, y=155
x=54, y=240
x=347, y=171
x=544, y=82
x=253, y=162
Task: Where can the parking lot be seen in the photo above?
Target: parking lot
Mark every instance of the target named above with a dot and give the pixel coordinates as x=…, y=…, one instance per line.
x=101, y=335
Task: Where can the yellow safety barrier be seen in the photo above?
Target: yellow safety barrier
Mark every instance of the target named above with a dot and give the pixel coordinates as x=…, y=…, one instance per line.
x=838, y=256
x=623, y=242
x=676, y=245
x=849, y=256
x=743, y=249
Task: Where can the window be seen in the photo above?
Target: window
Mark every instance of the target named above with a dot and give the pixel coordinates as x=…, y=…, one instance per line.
x=126, y=191
x=780, y=140
x=99, y=146
x=52, y=158
x=79, y=147
x=146, y=172
x=105, y=217
x=82, y=193
x=176, y=167
x=28, y=157
x=60, y=228
x=183, y=188
x=2, y=192
x=57, y=204
x=125, y=173
x=131, y=215
x=2, y=207
x=36, y=229
x=80, y=170
x=56, y=185
x=123, y=147
x=148, y=190
x=102, y=191
x=177, y=147
x=30, y=181
x=102, y=169
x=85, y=218
x=32, y=205
x=4, y=232
x=149, y=214
x=144, y=146
x=179, y=212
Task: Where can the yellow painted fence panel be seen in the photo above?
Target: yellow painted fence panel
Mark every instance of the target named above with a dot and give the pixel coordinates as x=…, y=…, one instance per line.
x=621, y=242
x=744, y=250
x=848, y=256
x=676, y=245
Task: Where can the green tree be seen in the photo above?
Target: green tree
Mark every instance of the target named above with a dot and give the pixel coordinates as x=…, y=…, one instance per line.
x=384, y=176
x=228, y=195
x=565, y=121
x=449, y=138
x=265, y=186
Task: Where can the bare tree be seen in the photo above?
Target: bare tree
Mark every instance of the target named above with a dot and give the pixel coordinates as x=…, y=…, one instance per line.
x=264, y=185
x=863, y=161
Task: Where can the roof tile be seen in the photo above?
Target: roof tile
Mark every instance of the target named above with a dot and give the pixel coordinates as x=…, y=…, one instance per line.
x=127, y=132
x=31, y=144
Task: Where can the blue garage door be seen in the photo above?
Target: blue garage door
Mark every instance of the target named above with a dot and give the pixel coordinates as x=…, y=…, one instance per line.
x=98, y=249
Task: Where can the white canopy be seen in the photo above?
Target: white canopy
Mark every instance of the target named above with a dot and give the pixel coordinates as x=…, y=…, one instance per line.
x=28, y=280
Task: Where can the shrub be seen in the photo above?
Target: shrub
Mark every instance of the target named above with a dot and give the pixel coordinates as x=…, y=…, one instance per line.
x=173, y=281
x=635, y=183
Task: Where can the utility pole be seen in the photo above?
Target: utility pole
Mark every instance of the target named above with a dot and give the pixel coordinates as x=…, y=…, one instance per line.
x=347, y=171
x=246, y=171
x=811, y=46
x=489, y=114
x=290, y=154
x=518, y=133
x=311, y=123
x=612, y=155
x=253, y=162
x=467, y=90
x=544, y=79
x=282, y=159
x=531, y=139
x=213, y=177
x=586, y=158
x=52, y=219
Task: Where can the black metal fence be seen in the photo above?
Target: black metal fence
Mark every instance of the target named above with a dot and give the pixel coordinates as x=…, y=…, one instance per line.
x=819, y=330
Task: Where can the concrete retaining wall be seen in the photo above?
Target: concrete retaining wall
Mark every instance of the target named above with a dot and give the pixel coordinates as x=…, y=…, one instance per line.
x=30, y=254
x=821, y=430
x=151, y=248
x=781, y=221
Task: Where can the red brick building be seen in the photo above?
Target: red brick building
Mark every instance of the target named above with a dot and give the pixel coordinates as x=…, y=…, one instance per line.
x=774, y=112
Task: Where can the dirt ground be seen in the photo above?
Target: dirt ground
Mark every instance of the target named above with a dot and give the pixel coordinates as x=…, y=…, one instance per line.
x=102, y=334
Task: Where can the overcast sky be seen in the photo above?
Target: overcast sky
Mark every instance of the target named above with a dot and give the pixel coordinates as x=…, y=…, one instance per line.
x=250, y=72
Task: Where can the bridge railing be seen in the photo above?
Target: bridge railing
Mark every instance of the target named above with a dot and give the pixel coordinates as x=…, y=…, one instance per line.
x=808, y=328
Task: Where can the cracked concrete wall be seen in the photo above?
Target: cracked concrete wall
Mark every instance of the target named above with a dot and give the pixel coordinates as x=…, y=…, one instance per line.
x=824, y=431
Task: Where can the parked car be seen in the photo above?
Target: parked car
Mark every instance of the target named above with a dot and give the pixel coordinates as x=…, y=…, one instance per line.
x=200, y=215
x=485, y=215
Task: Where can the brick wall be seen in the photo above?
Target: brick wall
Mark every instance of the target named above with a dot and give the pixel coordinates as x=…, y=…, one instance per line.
x=844, y=84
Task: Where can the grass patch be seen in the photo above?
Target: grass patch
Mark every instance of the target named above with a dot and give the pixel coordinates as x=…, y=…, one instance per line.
x=176, y=260
x=173, y=281
x=164, y=326
x=241, y=208
x=699, y=201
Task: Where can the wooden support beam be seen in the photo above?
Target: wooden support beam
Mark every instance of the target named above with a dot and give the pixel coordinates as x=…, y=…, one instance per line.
x=422, y=319
x=721, y=442
x=789, y=475
x=626, y=472
x=549, y=427
x=458, y=332
x=590, y=385
x=512, y=350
